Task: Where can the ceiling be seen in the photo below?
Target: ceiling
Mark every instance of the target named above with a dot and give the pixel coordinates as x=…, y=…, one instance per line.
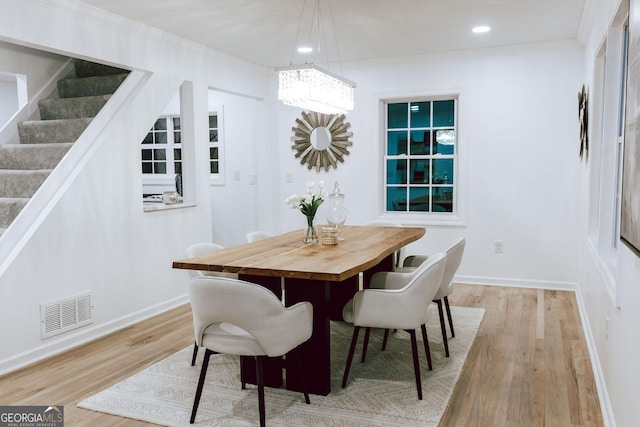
x=265, y=31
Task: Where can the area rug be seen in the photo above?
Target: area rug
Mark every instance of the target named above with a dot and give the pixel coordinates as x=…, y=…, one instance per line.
x=380, y=392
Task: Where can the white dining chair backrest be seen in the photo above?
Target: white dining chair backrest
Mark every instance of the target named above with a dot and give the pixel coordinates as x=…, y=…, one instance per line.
x=252, y=308
x=254, y=236
x=399, y=254
x=402, y=308
x=201, y=249
x=454, y=258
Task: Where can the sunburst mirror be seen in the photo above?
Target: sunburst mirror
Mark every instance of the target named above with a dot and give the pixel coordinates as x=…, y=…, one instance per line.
x=321, y=140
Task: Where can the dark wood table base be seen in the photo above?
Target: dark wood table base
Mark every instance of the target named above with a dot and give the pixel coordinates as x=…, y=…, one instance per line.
x=328, y=299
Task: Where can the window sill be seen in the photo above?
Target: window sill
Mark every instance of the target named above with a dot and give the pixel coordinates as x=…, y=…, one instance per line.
x=154, y=207
x=421, y=220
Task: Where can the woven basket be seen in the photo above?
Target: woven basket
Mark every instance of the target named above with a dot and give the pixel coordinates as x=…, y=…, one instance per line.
x=329, y=236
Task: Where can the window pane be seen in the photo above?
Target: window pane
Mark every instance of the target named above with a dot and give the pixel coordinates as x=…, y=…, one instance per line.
x=443, y=171
x=419, y=199
x=178, y=167
x=396, y=171
x=147, y=154
x=420, y=114
x=177, y=154
x=396, y=198
x=442, y=199
x=161, y=124
x=148, y=139
x=177, y=139
x=445, y=141
x=214, y=149
x=420, y=142
x=397, y=115
x=419, y=171
x=161, y=138
x=396, y=143
x=176, y=123
x=159, y=167
x=159, y=154
x=147, y=167
x=443, y=113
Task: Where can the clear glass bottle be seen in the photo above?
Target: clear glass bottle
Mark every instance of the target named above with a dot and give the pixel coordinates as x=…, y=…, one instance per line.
x=336, y=212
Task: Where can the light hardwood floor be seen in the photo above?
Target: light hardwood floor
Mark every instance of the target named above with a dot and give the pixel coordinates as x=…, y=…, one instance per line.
x=529, y=364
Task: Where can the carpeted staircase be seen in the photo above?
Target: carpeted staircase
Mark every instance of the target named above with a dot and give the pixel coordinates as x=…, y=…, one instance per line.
x=43, y=143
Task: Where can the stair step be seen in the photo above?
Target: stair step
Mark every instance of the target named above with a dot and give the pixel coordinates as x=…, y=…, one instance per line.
x=71, y=108
x=88, y=69
x=90, y=86
x=21, y=183
x=32, y=156
x=51, y=131
x=10, y=207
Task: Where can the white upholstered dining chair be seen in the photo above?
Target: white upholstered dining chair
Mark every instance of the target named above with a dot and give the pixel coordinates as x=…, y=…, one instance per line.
x=399, y=304
x=454, y=258
x=242, y=318
x=254, y=236
x=197, y=250
x=399, y=254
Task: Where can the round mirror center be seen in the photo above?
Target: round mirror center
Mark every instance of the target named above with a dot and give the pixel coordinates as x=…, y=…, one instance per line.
x=320, y=138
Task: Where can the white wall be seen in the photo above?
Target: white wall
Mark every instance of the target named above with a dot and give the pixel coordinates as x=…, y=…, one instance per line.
x=518, y=165
x=96, y=236
x=38, y=66
x=33, y=75
x=8, y=98
x=520, y=179
x=234, y=202
x=613, y=330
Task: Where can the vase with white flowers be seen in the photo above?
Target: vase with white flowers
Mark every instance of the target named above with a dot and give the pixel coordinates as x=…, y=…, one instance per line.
x=308, y=204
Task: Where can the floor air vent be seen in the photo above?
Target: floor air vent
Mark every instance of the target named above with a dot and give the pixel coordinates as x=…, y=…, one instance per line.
x=64, y=315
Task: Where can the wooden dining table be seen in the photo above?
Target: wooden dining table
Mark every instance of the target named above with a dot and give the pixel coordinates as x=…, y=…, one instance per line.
x=325, y=275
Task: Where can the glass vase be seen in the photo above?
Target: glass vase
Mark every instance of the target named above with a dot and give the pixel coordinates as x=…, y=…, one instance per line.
x=310, y=235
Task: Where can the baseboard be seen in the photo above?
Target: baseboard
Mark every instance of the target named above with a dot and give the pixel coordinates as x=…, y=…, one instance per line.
x=601, y=385
x=84, y=335
x=516, y=283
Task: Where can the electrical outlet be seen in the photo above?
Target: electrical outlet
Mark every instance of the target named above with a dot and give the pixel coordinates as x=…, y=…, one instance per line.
x=236, y=175
x=253, y=179
x=498, y=246
x=288, y=177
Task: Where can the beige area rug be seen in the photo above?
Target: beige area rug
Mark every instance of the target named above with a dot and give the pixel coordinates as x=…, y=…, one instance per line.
x=380, y=392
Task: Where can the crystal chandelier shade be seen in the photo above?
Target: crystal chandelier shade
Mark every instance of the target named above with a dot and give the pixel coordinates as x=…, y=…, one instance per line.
x=309, y=86
x=312, y=88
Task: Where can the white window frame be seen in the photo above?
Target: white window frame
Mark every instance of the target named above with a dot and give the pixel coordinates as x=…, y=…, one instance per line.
x=453, y=218
x=217, y=178
x=606, y=149
x=157, y=183
x=622, y=103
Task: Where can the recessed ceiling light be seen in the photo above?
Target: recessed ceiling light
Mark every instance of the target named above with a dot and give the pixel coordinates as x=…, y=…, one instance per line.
x=304, y=49
x=481, y=29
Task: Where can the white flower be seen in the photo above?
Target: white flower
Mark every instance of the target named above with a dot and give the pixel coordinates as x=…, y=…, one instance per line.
x=310, y=185
x=307, y=203
x=293, y=201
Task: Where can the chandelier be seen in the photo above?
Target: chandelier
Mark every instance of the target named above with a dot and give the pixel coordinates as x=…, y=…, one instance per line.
x=311, y=87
